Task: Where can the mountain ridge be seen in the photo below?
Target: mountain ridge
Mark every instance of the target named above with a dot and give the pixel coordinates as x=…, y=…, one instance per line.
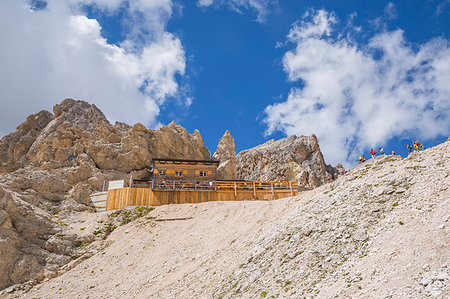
x=379, y=231
x=51, y=165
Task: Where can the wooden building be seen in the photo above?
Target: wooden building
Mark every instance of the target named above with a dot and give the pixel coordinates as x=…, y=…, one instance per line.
x=186, y=170
x=176, y=181
x=177, y=194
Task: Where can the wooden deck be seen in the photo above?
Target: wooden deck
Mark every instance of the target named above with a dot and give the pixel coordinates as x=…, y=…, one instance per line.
x=219, y=191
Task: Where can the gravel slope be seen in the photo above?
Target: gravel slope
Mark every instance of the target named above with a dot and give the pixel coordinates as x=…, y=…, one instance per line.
x=381, y=231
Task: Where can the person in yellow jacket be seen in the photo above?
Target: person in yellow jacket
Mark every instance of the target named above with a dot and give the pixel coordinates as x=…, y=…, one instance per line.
x=362, y=159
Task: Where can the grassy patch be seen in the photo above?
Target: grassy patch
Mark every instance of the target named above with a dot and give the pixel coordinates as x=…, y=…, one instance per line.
x=121, y=217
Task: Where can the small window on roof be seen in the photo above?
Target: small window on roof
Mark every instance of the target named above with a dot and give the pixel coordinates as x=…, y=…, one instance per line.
x=162, y=172
x=178, y=173
x=203, y=173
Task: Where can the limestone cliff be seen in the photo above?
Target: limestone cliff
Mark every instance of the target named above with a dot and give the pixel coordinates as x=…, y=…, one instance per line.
x=50, y=166
x=226, y=154
x=32, y=244
x=287, y=159
x=14, y=146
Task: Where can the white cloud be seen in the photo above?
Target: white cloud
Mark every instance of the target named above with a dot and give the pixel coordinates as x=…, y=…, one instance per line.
x=354, y=97
x=205, y=2
x=390, y=12
x=51, y=54
x=261, y=7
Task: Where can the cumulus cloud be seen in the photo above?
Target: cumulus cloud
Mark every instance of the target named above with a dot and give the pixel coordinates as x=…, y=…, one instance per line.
x=261, y=7
x=57, y=52
x=356, y=96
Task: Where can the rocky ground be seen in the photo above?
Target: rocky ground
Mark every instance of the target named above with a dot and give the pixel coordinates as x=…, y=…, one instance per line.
x=381, y=231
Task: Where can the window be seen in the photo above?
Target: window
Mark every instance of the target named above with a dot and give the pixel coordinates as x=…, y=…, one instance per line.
x=203, y=173
x=178, y=173
x=161, y=172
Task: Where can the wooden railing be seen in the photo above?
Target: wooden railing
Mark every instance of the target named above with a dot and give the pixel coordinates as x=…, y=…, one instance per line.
x=185, y=185
x=242, y=185
x=182, y=185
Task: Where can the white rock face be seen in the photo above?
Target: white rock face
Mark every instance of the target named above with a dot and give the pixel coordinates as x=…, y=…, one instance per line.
x=288, y=159
x=226, y=154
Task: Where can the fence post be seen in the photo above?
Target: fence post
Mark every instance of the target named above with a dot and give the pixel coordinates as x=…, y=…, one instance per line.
x=290, y=187
x=273, y=195
x=254, y=190
x=235, y=191
x=153, y=184
x=174, y=185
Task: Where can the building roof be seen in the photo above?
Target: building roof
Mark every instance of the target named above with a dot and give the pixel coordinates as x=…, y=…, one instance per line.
x=186, y=160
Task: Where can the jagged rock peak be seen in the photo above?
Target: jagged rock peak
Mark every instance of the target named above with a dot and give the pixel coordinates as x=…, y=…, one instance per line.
x=172, y=124
x=14, y=146
x=79, y=111
x=174, y=141
x=226, y=154
x=292, y=158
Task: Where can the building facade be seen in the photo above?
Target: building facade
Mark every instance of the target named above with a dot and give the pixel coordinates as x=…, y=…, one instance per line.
x=185, y=170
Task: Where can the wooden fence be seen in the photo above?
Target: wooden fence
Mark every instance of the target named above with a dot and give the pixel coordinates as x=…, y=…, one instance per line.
x=98, y=201
x=226, y=191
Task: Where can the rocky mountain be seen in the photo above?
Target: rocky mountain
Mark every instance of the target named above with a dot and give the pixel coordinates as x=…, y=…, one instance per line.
x=50, y=166
x=288, y=159
x=226, y=154
x=380, y=231
x=53, y=162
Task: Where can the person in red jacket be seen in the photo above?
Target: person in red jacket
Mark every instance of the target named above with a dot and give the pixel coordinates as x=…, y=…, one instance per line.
x=373, y=153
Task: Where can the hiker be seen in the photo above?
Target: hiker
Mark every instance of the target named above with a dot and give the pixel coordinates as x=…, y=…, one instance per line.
x=419, y=145
x=381, y=150
x=362, y=159
x=409, y=147
x=416, y=146
x=373, y=153
x=393, y=153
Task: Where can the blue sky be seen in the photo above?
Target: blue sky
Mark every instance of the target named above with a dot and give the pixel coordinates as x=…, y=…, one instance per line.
x=358, y=74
